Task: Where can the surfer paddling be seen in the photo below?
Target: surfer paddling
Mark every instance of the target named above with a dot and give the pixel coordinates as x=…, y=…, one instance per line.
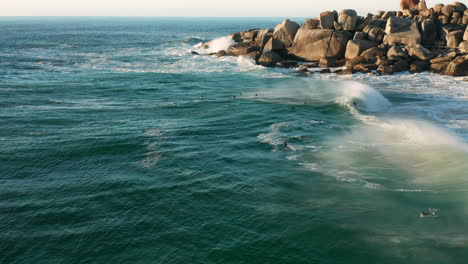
x=431, y=212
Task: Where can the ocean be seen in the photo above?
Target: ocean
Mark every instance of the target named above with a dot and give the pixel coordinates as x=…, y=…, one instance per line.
x=119, y=146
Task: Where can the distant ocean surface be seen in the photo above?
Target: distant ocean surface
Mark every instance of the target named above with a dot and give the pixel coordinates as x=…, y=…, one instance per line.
x=108, y=154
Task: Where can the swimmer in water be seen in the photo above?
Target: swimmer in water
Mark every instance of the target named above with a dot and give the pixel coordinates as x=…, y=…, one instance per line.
x=432, y=212
x=285, y=144
x=202, y=98
x=354, y=103
x=233, y=97
x=256, y=94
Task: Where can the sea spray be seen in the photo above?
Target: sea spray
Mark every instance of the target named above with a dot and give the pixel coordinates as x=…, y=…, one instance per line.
x=218, y=44
x=308, y=91
x=422, y=154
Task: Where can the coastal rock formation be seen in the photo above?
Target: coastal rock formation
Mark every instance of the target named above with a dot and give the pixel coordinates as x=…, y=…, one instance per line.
x=415, y=39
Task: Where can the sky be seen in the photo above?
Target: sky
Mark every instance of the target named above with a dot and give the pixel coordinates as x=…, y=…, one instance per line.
x=192, y=8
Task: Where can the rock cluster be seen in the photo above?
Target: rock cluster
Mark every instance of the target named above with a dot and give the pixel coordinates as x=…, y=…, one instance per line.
x=416, y=40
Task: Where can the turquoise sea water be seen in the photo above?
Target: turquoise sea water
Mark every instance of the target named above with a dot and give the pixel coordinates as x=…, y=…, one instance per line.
x=109, y=155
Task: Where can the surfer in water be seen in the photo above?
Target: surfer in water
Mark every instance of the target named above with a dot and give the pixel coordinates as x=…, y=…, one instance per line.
x=431, y=212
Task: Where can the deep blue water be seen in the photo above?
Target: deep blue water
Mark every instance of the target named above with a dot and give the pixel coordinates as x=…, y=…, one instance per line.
x=109, y=154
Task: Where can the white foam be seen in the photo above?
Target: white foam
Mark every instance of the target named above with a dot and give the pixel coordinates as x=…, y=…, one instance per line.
x=221, y=43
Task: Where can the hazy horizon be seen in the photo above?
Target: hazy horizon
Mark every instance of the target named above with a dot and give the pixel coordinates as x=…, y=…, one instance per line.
x=201, y=8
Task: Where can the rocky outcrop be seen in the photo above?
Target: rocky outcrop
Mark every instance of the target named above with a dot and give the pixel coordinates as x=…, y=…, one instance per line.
x=285, y=32
x=415, y=39
x=314, y=44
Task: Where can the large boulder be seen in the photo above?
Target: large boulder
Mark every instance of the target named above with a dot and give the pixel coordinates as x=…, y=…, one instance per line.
x=448, y=10
x=375, y=34
x=273, y=45
x=454, y=38
x=438, y=8
x=463, y=46
x=459, y=7
x=269, y=59
x=419, y=66
x=429, y=32
x=327, y=19
x=397, y=53
x=348, y=19
x=286, y=31
x=374, y=53
x=402, y=31
x=458, y=67
x=241, y=49
x=314, y=44
x=354, y=48
x=418, y=52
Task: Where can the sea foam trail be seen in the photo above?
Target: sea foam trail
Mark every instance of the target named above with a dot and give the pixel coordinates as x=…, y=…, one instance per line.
x=350, y=93
x=422, y=154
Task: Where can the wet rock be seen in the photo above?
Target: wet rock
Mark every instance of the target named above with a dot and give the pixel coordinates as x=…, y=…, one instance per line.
x=241, y=49
x=458, y=67
x=401, y=66
x=419, y=66
x=327, y=19
x=346, y=71
x=348, y=19
x=354, y=48
x=314, y=44
x=420, y=53
x=269, y=59
x=221, y=53
x=402, y=31
x=328, y=62
x=286, y=64
x=195, y=53
x=325, y=71
x=285, y=32
x=439, y=67
x=385, y=69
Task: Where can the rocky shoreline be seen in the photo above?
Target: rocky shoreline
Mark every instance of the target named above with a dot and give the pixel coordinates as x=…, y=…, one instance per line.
x=416, y=40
